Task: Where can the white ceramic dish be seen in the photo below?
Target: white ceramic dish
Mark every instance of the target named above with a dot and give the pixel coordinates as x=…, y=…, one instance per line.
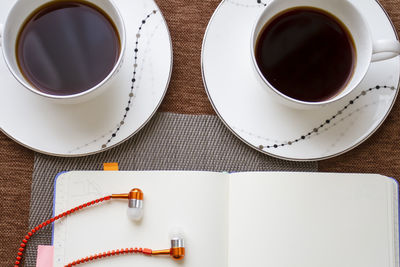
x=109, y=119
x=272, y=128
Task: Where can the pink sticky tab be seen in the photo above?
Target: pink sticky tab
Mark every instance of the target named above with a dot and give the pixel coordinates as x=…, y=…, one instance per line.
x=45, y=256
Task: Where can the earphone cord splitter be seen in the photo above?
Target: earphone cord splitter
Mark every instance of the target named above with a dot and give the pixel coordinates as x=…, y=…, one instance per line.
x=64, y=214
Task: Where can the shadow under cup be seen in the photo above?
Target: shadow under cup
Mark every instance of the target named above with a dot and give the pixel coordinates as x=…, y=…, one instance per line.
x=64, y=50
x=282, y=14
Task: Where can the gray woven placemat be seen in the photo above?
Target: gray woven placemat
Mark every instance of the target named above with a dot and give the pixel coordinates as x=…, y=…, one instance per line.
x=168, y=142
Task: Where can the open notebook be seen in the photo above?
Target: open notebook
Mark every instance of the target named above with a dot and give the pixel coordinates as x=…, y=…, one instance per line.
x=233, y=220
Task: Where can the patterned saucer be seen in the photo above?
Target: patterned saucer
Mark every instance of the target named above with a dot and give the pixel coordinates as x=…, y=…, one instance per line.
x=248, y=111
x=109, y=119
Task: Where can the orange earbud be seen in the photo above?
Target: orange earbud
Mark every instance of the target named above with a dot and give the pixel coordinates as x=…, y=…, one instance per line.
x=135, y=204
x=177, y=250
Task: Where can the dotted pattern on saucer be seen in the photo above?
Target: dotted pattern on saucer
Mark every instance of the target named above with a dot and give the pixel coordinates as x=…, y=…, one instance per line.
x=328, y=122
x=113, y=132
x=351, y=124
x=258, y=4
x=131, y=93
x=332, y=125
x=261, y=3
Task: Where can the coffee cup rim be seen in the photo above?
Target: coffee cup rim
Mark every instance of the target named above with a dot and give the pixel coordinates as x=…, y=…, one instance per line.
x=343, y=93
x=30, y=87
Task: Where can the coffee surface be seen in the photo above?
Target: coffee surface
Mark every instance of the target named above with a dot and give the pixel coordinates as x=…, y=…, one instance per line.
x=67, y=47
x=306, y=54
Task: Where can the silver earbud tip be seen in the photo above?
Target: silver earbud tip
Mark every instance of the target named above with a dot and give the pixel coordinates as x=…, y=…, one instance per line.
x=177, y=242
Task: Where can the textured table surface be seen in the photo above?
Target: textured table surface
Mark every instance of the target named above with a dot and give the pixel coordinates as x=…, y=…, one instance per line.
x=187, y=21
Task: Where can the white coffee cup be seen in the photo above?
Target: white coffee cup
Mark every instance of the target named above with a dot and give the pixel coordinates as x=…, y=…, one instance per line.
x=21, y=10
x=368, y=49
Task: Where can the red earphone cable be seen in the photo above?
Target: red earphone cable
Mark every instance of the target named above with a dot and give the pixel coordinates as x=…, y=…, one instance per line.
x=145, y=251
x=48, y=222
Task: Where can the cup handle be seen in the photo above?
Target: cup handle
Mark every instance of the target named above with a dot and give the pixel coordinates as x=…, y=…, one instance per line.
x=385, y=49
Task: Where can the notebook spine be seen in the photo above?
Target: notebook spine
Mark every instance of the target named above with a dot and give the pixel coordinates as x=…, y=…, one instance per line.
x=396, y=207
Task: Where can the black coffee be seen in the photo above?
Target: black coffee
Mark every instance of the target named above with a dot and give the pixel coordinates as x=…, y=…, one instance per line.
x=67, y=47
x=306, y=53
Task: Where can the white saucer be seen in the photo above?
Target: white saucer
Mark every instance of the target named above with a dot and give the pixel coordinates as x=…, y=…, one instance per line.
x=248, y=111
x=97, y=125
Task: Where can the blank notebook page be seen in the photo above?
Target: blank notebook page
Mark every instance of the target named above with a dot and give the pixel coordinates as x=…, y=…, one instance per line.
x=192, y=202
x=312, y=220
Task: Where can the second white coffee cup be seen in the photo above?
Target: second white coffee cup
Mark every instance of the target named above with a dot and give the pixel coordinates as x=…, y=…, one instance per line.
x=367, y=48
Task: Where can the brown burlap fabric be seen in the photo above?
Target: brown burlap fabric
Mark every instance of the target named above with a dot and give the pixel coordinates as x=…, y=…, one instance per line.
x=187, y=21
x=16, y=166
